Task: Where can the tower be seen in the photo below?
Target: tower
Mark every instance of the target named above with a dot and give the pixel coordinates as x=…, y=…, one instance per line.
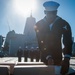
x=29, y=32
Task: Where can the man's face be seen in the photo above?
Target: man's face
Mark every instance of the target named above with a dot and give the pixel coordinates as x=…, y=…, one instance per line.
x=50, y=15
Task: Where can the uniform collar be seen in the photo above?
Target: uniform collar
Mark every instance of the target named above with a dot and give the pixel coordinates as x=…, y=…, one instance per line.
x=53, y=21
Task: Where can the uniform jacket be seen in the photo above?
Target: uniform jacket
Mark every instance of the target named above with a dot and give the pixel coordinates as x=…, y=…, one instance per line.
x=19, y=52
x=49, y=39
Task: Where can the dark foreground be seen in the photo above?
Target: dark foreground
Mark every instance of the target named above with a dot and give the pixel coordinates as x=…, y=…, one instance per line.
x=10, y=65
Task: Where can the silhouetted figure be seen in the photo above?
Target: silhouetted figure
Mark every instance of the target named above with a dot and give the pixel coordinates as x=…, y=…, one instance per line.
x=32, y=54
x=19, y=54
x=49, y=31
x=37, y=54
x=26, y=54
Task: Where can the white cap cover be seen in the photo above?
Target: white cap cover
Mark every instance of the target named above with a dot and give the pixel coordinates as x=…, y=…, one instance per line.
x=51, y=5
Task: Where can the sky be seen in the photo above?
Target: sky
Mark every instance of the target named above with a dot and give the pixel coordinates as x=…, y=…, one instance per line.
x=13, y=13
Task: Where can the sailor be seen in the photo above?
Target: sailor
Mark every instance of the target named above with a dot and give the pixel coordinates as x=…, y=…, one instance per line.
x=32, y=54
x=19, y=54
x=49, y=32
x=37, y=54
x=25, y=54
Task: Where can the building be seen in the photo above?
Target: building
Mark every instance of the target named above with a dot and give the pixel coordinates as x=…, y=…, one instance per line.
x=27, y=39
x=1, y=41
x=13, y=42
x=29, y=32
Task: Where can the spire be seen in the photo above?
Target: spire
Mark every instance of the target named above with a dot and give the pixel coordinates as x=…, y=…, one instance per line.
x=31, y=14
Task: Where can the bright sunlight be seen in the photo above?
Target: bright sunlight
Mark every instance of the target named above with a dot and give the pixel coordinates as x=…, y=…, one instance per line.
x=24, y=7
